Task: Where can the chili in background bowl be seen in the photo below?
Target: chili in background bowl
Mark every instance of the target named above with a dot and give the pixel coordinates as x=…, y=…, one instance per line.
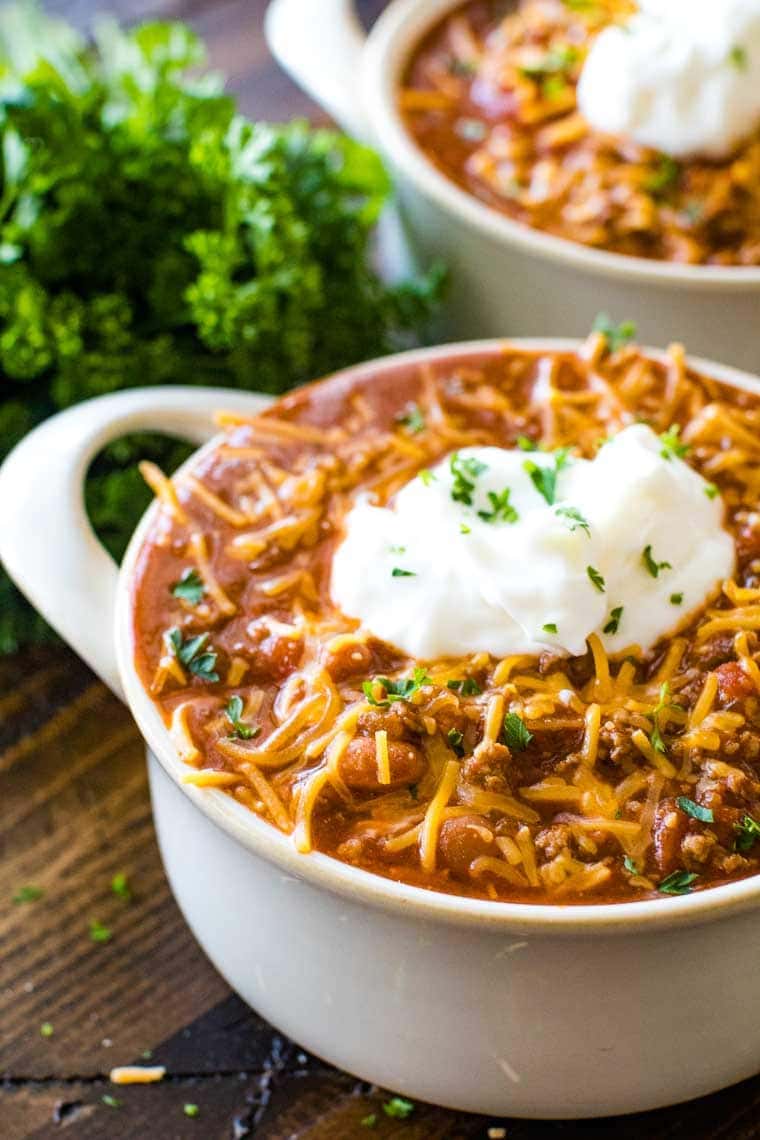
x=514, y=1009
x=504, y=275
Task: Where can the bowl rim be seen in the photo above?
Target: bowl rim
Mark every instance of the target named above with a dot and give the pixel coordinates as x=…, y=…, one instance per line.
x=264, y=840
x=392, y=40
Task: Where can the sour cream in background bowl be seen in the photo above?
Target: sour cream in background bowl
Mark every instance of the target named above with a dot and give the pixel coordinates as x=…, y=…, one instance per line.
x=504, y=275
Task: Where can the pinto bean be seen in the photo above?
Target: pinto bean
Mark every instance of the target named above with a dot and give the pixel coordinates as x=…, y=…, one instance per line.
x=463, y=839
x=358, y=765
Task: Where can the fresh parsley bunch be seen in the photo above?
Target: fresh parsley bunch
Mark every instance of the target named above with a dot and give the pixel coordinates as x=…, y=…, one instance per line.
x=149, y=234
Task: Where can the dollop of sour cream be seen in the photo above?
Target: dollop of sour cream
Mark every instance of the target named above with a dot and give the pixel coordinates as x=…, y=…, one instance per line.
x=505, y=551
x=682, y=76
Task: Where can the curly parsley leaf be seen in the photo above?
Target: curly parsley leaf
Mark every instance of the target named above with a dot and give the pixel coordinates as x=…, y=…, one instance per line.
x=151, y=233
x=464, y=473
x=501, y=508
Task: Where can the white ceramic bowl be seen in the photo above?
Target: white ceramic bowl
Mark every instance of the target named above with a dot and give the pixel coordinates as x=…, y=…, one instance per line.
x=505, y=277
x=510, y=1009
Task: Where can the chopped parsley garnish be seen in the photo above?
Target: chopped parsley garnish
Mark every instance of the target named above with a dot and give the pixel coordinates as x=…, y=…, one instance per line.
x=630, y=866
x=191, y=1110
x=696, y=811
x=663, y=177
x=516, y=735
x=525, y=443
x=400, y=690
x=613, y=624
x=369, y=1121
x=190, y=587
x=455, y=738
x=617, y=336
x=672, y=447
x=711, y=491
x=46, y=1029
x=234, y=713
x=99, y=932
x=111, y=1101
x=653, y=567
x=464, y=473
x=120, y=887
x=501, y=508
x=663, y=703
x=544, y=479
x=466, y=688
x=412, y=419
x=738, y=57
x=573, y=519
x=193, y=654
x=398, y=1108
x=465, y=529
x=679, y=883
x=596, y=579
x=427, y=476
x=550, y=627
x=398, y=572
x=27, y=895
x=747, y=833
x=676, y=599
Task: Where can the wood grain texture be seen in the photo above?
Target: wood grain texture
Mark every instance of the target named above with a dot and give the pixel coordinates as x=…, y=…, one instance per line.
x=74, y=811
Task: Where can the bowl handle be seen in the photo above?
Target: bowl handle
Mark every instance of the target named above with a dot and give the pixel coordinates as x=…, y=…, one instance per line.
x=46, y=542
x=319, y=43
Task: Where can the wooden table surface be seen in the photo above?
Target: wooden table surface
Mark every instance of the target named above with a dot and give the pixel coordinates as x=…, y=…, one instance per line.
x=75, y=812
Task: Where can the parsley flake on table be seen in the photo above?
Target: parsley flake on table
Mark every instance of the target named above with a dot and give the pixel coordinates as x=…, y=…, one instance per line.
x=369, y=1121
x=98, y=932
x=190, y=587
x=398, y=572
x=111, y=1101
x=234, y=713
x=676, y=599
x=120, y=887
x=398, y=1107
x=191, y=1110
x=28, y=894
x=46, y=1029
x=193, y=654
x=653, y=567
x=550, y=627
x=516, y=734
x=738, y=57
